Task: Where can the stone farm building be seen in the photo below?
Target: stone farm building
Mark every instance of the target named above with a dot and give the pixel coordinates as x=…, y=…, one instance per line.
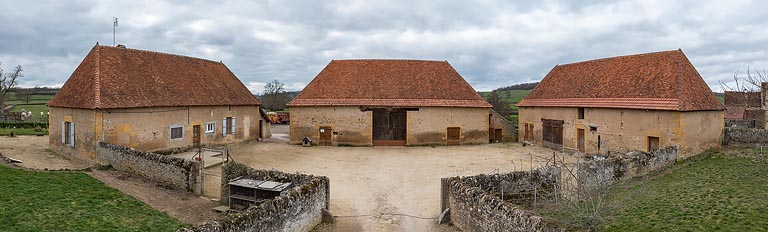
x=151, y=101
x=392, y=102
x=635, y=102
x=747, y=109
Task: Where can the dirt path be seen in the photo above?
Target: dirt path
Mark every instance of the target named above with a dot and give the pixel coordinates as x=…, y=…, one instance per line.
x=389, y=188
x=34, y=152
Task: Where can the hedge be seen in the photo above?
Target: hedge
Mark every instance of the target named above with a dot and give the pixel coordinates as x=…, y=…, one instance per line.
x=23, y=124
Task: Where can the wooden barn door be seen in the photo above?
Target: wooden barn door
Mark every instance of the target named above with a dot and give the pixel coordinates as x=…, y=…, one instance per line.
x=497, y=135
x=389, y=127
x=454, y=136
x=552, y=133
x=326, y=136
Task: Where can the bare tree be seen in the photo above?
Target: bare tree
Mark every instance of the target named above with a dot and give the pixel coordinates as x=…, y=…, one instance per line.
x=7, y=82
x=274, y=97
x=499, y=105
x=751, y=82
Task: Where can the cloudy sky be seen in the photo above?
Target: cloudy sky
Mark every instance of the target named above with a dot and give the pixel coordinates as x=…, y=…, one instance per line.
x=491, y=43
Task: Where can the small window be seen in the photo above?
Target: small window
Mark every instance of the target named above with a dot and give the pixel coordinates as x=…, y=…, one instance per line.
x=210, y=127
x=177, y=132
x=581, y=113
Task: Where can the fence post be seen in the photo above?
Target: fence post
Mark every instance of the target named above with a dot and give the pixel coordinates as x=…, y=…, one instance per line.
x=443, y=194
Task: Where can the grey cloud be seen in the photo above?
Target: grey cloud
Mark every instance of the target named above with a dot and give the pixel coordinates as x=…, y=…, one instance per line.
x=491, y=43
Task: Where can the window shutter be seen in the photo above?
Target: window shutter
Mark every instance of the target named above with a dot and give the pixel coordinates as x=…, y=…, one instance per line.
x=233, y=126
x=63, y=132
x=72, y=134
x=224, y=126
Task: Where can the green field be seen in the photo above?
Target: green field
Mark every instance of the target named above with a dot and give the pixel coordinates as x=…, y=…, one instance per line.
x=72, y=201
x=36, y=103
x=712, y=192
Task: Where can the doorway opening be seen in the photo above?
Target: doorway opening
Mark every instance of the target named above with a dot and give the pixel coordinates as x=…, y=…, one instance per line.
x=389, y=127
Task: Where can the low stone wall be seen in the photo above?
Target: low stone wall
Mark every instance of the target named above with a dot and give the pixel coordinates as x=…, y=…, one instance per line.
x=494, y=202
x=166, y=170
x=300, y=208
x=621, y=166
x=745, y=137
x=741, y=123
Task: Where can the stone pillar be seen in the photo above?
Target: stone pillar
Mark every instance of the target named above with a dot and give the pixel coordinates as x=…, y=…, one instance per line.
x=764, y=91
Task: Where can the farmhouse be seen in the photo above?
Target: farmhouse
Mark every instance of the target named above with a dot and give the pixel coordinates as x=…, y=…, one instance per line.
x=636, y=102
x=747, y=109
x=390, y=102
x=151, y=101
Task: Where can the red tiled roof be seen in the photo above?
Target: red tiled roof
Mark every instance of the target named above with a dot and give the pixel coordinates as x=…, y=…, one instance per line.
x=394, y=83
x=734, y=112
x=743, y=99
x=624, y=103
x=642, y=81
x=113, y=77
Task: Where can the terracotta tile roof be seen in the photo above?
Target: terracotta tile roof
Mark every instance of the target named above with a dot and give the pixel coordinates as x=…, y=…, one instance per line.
x=113, y=77
x=743, y=99
x=642, y=81
x=734, y=112
x=394, y=83
x=624, y=103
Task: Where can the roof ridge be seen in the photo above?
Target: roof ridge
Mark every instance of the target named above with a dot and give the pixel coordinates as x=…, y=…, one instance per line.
x=390, y=59
x=621, y=56
x=97, y=80
x=465, y=81
x=679, y=80
x=161, y=53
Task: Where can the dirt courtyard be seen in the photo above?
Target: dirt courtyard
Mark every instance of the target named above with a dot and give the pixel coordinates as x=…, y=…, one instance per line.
x=389, y=188
x=372, y=188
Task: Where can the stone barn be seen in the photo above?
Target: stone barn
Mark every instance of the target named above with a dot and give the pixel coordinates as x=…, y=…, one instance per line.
x=635, y=102
x=389, y=102
x=151, y=101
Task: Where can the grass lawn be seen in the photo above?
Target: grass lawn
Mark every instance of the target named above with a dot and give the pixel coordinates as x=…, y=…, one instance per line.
x=22, y=131
x=713, y=192
x=71, y=201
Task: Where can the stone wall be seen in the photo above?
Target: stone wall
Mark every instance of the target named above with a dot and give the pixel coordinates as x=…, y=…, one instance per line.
x=299, y=208
x=622, y=166
x=745, y=137
x=496, y=202
x=165, y=170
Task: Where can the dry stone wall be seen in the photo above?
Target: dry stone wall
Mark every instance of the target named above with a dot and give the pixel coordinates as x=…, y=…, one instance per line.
x=745, y=137
x=300, y=208
x=622, y=166
x=166, y=170
x=476, y=203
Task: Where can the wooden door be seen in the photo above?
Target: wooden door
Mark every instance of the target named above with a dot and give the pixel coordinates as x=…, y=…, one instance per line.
x=497, y=135
x=528, y=132
x=653, y=144
x=261, y=134
x=196, y=135
x=389, y=127
x=453, y=136
x=326, y=136
x=580, y=143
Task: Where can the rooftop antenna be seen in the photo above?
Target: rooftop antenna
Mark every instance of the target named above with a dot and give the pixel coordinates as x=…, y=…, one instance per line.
x=114, y=29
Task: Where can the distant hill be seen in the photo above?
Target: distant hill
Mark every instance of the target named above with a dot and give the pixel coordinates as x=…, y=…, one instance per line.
x=511, y=95
x=523, y=86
